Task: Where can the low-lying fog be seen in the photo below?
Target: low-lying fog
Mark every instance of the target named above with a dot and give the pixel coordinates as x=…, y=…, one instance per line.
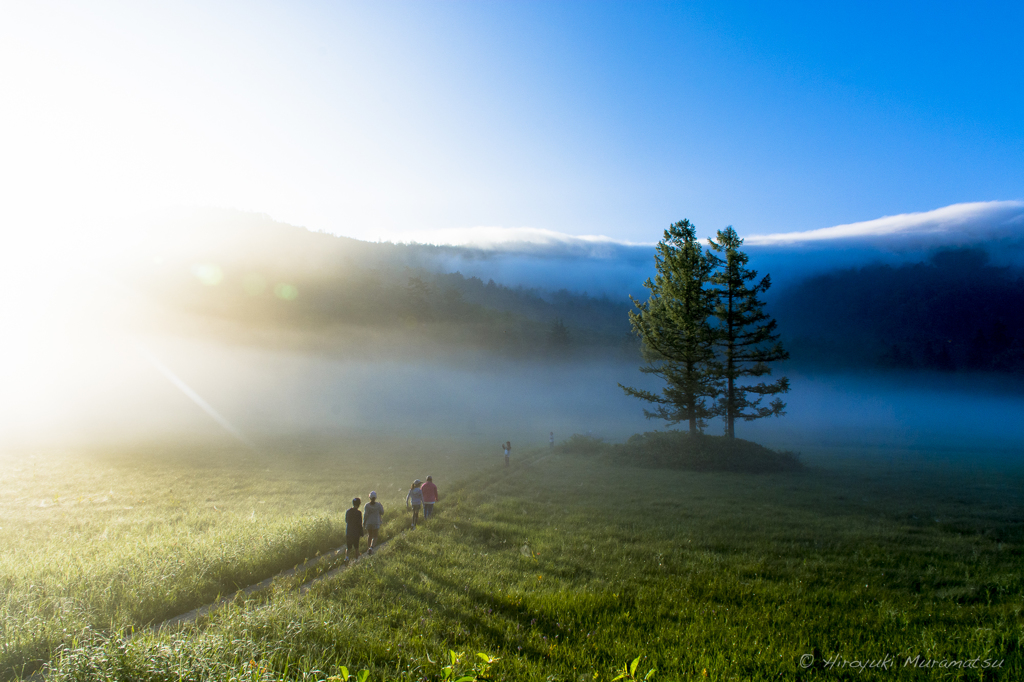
x=127, y=389
x=74, y=371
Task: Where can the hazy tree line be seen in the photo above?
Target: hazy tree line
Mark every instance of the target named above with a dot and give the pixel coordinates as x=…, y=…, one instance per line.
x=705, y=333
x=955, y=312
x=278, y=277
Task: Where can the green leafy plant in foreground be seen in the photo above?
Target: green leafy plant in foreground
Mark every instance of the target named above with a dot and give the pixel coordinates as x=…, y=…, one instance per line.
x=629, y=671
x=344, y=676
x=456, y=670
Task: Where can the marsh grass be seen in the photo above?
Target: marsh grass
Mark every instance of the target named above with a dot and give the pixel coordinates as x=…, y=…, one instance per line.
x=566, y=567
x=104, y=542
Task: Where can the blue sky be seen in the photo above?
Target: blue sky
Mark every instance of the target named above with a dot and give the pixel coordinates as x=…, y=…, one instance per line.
x=407, y=119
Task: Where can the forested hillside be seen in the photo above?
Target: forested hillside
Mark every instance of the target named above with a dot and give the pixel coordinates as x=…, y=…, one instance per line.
x=955, y=312
x=263, y=276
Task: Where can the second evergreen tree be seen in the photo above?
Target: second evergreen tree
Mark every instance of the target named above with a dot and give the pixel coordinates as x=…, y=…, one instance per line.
x=746, y=339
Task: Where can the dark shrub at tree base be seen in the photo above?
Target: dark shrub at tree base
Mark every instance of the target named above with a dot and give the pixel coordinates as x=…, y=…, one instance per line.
x=680, y=450
x=579, y=444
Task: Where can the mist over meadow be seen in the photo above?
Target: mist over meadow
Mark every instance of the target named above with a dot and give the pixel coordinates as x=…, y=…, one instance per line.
x=231, y=325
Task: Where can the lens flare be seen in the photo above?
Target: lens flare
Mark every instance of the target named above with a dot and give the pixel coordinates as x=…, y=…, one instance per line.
x=192, y=395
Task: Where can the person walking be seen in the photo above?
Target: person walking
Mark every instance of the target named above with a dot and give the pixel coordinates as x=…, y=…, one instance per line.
x=373, y=517
x=551, y=440
x=353, y=529
x=507, y=447
x=429, y=497
x=415, y=496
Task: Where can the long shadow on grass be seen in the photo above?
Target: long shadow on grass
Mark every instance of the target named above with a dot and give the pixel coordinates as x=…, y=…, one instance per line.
x=483, y=606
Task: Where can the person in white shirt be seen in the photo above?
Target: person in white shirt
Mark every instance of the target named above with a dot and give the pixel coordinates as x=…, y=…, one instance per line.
x=415, y=497
x=373, y=517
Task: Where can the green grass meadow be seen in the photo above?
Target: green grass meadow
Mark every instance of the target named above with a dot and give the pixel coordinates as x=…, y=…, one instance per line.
x=563, y=567
x=102, y=542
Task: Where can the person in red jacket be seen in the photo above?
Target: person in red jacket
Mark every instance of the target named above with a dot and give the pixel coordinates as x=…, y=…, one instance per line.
x=429, y=497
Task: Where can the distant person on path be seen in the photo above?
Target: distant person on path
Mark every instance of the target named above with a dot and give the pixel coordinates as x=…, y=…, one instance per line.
x=373, y=516
x=429, y=497
x=551, y=440
x=507, y=447
x=353, y=529
x=415, y=496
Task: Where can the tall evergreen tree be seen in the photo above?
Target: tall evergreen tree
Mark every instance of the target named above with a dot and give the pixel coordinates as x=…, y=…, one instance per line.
x=746, y=337
x=677, y=339
x=559, y=338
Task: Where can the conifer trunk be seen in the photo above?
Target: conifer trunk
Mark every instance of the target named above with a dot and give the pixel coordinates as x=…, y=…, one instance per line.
x=730, y=405
x=691, y=407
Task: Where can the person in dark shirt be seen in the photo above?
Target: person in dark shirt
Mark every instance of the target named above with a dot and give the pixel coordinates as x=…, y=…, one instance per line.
x=353, y=529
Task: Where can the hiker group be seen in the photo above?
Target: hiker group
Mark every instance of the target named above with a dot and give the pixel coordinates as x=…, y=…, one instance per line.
x=421, y=495
x=369, y=520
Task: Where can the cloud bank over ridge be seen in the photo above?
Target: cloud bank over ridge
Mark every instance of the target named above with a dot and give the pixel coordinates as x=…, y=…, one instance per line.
x=956, y=225
x=995, y=227
x=522, y=240
x=600, y=265
x=536, y=258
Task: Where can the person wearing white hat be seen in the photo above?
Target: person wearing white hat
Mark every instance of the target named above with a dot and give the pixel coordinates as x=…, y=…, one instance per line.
x=415, y=496
x=373, y=517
